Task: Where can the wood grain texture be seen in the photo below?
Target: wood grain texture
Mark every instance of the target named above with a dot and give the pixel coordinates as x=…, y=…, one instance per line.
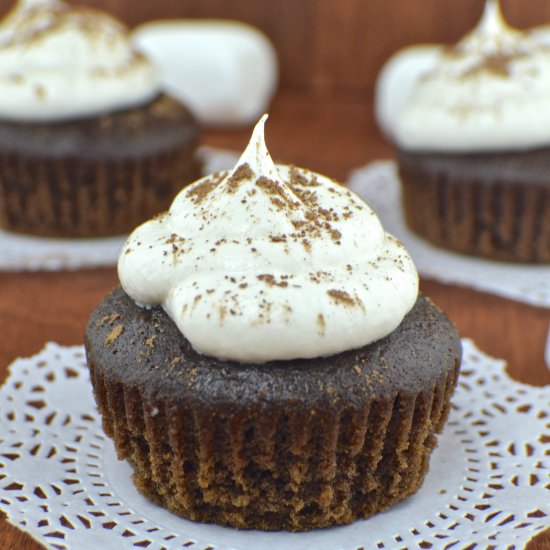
x=330, y=51
x=328, y=135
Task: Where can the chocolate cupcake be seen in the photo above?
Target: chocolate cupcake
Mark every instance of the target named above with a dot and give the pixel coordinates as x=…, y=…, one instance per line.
x=268, y=362
x=89, y=145
x=474, y=146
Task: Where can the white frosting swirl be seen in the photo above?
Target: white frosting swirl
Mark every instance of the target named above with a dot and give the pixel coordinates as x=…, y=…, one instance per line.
x=59, y=62
x=489, y=92
x=270, y=262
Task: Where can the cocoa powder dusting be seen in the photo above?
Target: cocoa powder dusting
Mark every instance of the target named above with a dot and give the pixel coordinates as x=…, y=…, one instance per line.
x=160, y=217
x=321, y=324
x=341, y=297
x=199, y=192
x=270, y=280
x=277, y=193
x=277, y=202
x=318, y=220
x=298, y=179
x=40, y=92
x=497, y=64
x=242, y=173
x=335, y=234
x=16, y=78
x=31, y=28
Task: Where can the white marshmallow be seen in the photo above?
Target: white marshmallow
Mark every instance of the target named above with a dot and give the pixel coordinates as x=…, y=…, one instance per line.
x=224, y=70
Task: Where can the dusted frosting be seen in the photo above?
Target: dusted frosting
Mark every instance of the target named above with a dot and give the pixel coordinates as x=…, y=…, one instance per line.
x=397, y=78
x=489, y=92
x=270, y=262
x=58, y=62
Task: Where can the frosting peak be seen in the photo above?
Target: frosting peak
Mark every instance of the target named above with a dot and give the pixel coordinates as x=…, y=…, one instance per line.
x=270, y=262
x=488, y=92
x=492, y=37
x=491, y=21
x=59, y=61
x=256, y=153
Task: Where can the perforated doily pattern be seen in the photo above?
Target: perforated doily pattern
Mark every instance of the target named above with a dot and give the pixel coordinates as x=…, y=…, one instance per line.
x=61, y=482
x=378, y=184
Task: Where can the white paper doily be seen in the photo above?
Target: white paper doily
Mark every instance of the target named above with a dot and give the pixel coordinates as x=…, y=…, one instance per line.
x=27, y=253
x=378, y=184
x=61, y=482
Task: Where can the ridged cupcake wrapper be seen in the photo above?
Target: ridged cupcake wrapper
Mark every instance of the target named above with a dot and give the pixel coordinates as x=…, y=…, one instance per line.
x=272, y=471
x=501, y=221
x=70, y=197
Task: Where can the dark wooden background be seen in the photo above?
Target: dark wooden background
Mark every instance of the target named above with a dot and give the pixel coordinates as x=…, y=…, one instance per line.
x=330, y=52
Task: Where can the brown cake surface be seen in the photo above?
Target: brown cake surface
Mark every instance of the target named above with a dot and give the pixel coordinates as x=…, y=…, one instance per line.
x=494, y=205
x=282, y=445
x=96, y=176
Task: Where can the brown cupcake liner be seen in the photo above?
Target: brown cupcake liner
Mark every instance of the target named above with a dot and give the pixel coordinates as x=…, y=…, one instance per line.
x=278, y=470
x=72, y=197
x=500, y=221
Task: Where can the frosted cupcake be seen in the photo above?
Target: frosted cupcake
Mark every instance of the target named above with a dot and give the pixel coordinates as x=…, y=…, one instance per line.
x=473, y=140
x=89, y=145
x=268, y=362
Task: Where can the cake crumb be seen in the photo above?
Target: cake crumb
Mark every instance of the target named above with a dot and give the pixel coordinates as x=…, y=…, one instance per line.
x=113, y=335
x=150, y=342
x=192, y=376
x=110, y=319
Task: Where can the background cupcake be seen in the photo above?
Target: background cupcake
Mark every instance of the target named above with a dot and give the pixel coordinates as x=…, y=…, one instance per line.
x=473, y=145
x=286, y=374
x=89, y=145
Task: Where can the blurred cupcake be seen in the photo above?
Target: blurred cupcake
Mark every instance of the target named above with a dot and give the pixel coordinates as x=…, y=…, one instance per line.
x=89, y=145
x=474, y=145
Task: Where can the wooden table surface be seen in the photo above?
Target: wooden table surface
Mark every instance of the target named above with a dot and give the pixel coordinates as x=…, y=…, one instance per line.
x=327, y=135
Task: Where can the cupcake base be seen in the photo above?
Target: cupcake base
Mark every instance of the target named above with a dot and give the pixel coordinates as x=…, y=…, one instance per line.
x=96, y=177
x=496, y=205
x=292, y=445
x=88, y=198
